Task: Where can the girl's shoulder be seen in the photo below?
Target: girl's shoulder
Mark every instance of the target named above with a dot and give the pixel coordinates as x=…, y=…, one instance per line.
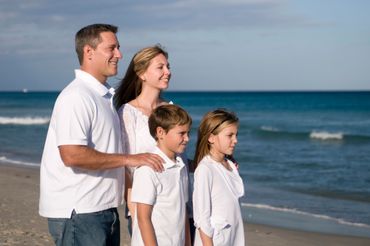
x=205, y=165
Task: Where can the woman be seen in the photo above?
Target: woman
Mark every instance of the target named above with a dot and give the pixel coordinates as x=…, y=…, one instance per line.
x=138, y=94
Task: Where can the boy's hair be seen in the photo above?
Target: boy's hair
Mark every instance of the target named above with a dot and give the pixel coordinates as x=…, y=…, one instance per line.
x=167, y=117
x=90, y=35
x=212, y=123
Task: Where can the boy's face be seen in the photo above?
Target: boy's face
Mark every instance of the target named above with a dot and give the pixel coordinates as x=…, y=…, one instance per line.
x=174, y=141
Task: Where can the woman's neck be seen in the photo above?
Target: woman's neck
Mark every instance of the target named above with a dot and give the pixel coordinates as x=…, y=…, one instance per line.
x=147, y=101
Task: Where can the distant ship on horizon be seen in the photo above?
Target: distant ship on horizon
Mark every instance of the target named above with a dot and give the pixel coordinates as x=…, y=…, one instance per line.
x=24, y=90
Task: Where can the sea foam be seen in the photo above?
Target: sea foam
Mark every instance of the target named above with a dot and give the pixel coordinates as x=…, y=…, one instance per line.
x=6, y=160
x=269, y=129
x=326, y=135
x=24, y=120
x=295, y=211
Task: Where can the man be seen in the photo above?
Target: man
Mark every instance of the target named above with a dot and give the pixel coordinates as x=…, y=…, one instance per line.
x=82, y=167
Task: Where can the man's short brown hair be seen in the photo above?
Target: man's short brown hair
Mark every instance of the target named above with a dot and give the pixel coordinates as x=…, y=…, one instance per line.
x=90, y=35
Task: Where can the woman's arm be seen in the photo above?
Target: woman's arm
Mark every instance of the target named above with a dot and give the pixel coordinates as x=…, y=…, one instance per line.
x=206, y=240
x=144, y=214
x=128, y=189
x=187, y=231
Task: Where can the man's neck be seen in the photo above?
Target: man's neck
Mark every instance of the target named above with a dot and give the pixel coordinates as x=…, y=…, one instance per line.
x=100, y=78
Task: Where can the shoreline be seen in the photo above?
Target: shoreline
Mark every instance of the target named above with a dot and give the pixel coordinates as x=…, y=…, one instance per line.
x=20, y=223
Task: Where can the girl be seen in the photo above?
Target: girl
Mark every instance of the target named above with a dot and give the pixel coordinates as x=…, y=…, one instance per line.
x=217, y=184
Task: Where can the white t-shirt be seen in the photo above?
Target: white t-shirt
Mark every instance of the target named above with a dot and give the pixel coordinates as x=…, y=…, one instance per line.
x=83, y=115
x=216, y=203
x=167, y=192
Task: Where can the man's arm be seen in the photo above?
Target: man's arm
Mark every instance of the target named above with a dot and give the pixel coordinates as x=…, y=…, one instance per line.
x=88, y=158
x=144, y=214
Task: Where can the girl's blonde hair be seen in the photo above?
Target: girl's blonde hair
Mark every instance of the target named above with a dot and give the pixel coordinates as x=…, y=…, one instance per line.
x=130, y=86
x=212, y=123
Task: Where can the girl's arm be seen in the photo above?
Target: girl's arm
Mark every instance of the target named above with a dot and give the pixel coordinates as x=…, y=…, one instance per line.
x=144, y=214
x=202, y=203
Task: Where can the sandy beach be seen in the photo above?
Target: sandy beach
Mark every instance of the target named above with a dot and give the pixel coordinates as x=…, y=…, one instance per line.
x=20, y=223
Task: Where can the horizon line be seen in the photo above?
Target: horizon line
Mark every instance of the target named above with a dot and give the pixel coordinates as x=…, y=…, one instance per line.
x=211, y=91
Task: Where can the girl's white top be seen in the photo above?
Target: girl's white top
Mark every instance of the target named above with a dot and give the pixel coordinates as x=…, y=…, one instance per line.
x=216, y=203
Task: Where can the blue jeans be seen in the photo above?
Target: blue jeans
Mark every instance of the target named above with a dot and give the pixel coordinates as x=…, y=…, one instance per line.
x=95, y=229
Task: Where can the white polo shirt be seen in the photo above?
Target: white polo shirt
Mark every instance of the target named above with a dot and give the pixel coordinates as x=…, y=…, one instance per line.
x=167, y=192
x=83, y=115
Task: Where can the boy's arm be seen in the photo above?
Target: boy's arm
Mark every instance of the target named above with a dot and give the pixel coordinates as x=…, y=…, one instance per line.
x=144, y=214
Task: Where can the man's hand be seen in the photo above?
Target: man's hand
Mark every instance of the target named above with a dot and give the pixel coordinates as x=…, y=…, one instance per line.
x=152, y=160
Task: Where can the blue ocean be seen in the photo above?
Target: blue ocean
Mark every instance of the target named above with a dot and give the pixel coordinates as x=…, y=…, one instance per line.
x=304, y=156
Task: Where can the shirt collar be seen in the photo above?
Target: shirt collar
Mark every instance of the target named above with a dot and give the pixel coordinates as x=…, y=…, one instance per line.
x=168, y=163
x=92, y=82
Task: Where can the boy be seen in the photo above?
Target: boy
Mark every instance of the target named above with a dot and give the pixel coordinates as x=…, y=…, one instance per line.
x=161, y=197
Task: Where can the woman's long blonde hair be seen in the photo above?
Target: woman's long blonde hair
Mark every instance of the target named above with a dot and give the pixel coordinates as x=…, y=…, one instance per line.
x=212, y=123
x=130, y=86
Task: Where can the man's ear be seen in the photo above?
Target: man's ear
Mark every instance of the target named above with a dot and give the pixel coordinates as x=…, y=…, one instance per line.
x=88, y=52
x=160, y=132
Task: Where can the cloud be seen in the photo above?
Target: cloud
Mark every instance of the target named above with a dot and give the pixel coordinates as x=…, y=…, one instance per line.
x=41, y=26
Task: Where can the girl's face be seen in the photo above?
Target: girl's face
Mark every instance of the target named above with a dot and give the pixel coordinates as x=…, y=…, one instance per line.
x=158, y=73
x=224, y=142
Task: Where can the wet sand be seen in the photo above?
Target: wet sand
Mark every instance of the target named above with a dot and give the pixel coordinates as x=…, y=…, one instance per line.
x=20, y=223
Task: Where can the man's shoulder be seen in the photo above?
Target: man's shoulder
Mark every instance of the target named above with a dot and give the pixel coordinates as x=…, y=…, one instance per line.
x=75, y=91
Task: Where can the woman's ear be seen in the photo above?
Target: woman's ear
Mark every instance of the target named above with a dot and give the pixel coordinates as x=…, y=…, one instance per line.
x=142, y=76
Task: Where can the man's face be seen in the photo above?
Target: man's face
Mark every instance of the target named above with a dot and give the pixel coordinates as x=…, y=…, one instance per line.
x=104, y=58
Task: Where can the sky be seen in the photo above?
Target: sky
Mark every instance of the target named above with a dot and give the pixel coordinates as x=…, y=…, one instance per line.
x=236, y=45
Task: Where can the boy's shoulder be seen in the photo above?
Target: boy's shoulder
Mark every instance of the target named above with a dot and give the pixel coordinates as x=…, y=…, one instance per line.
x=144, y=171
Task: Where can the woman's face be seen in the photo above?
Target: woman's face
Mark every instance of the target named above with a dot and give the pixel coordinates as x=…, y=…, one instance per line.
x=158, y=73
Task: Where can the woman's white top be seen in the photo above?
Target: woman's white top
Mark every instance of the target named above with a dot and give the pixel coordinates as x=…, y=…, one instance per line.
x=136, y=136
x=216, y=203
x=135, y=130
